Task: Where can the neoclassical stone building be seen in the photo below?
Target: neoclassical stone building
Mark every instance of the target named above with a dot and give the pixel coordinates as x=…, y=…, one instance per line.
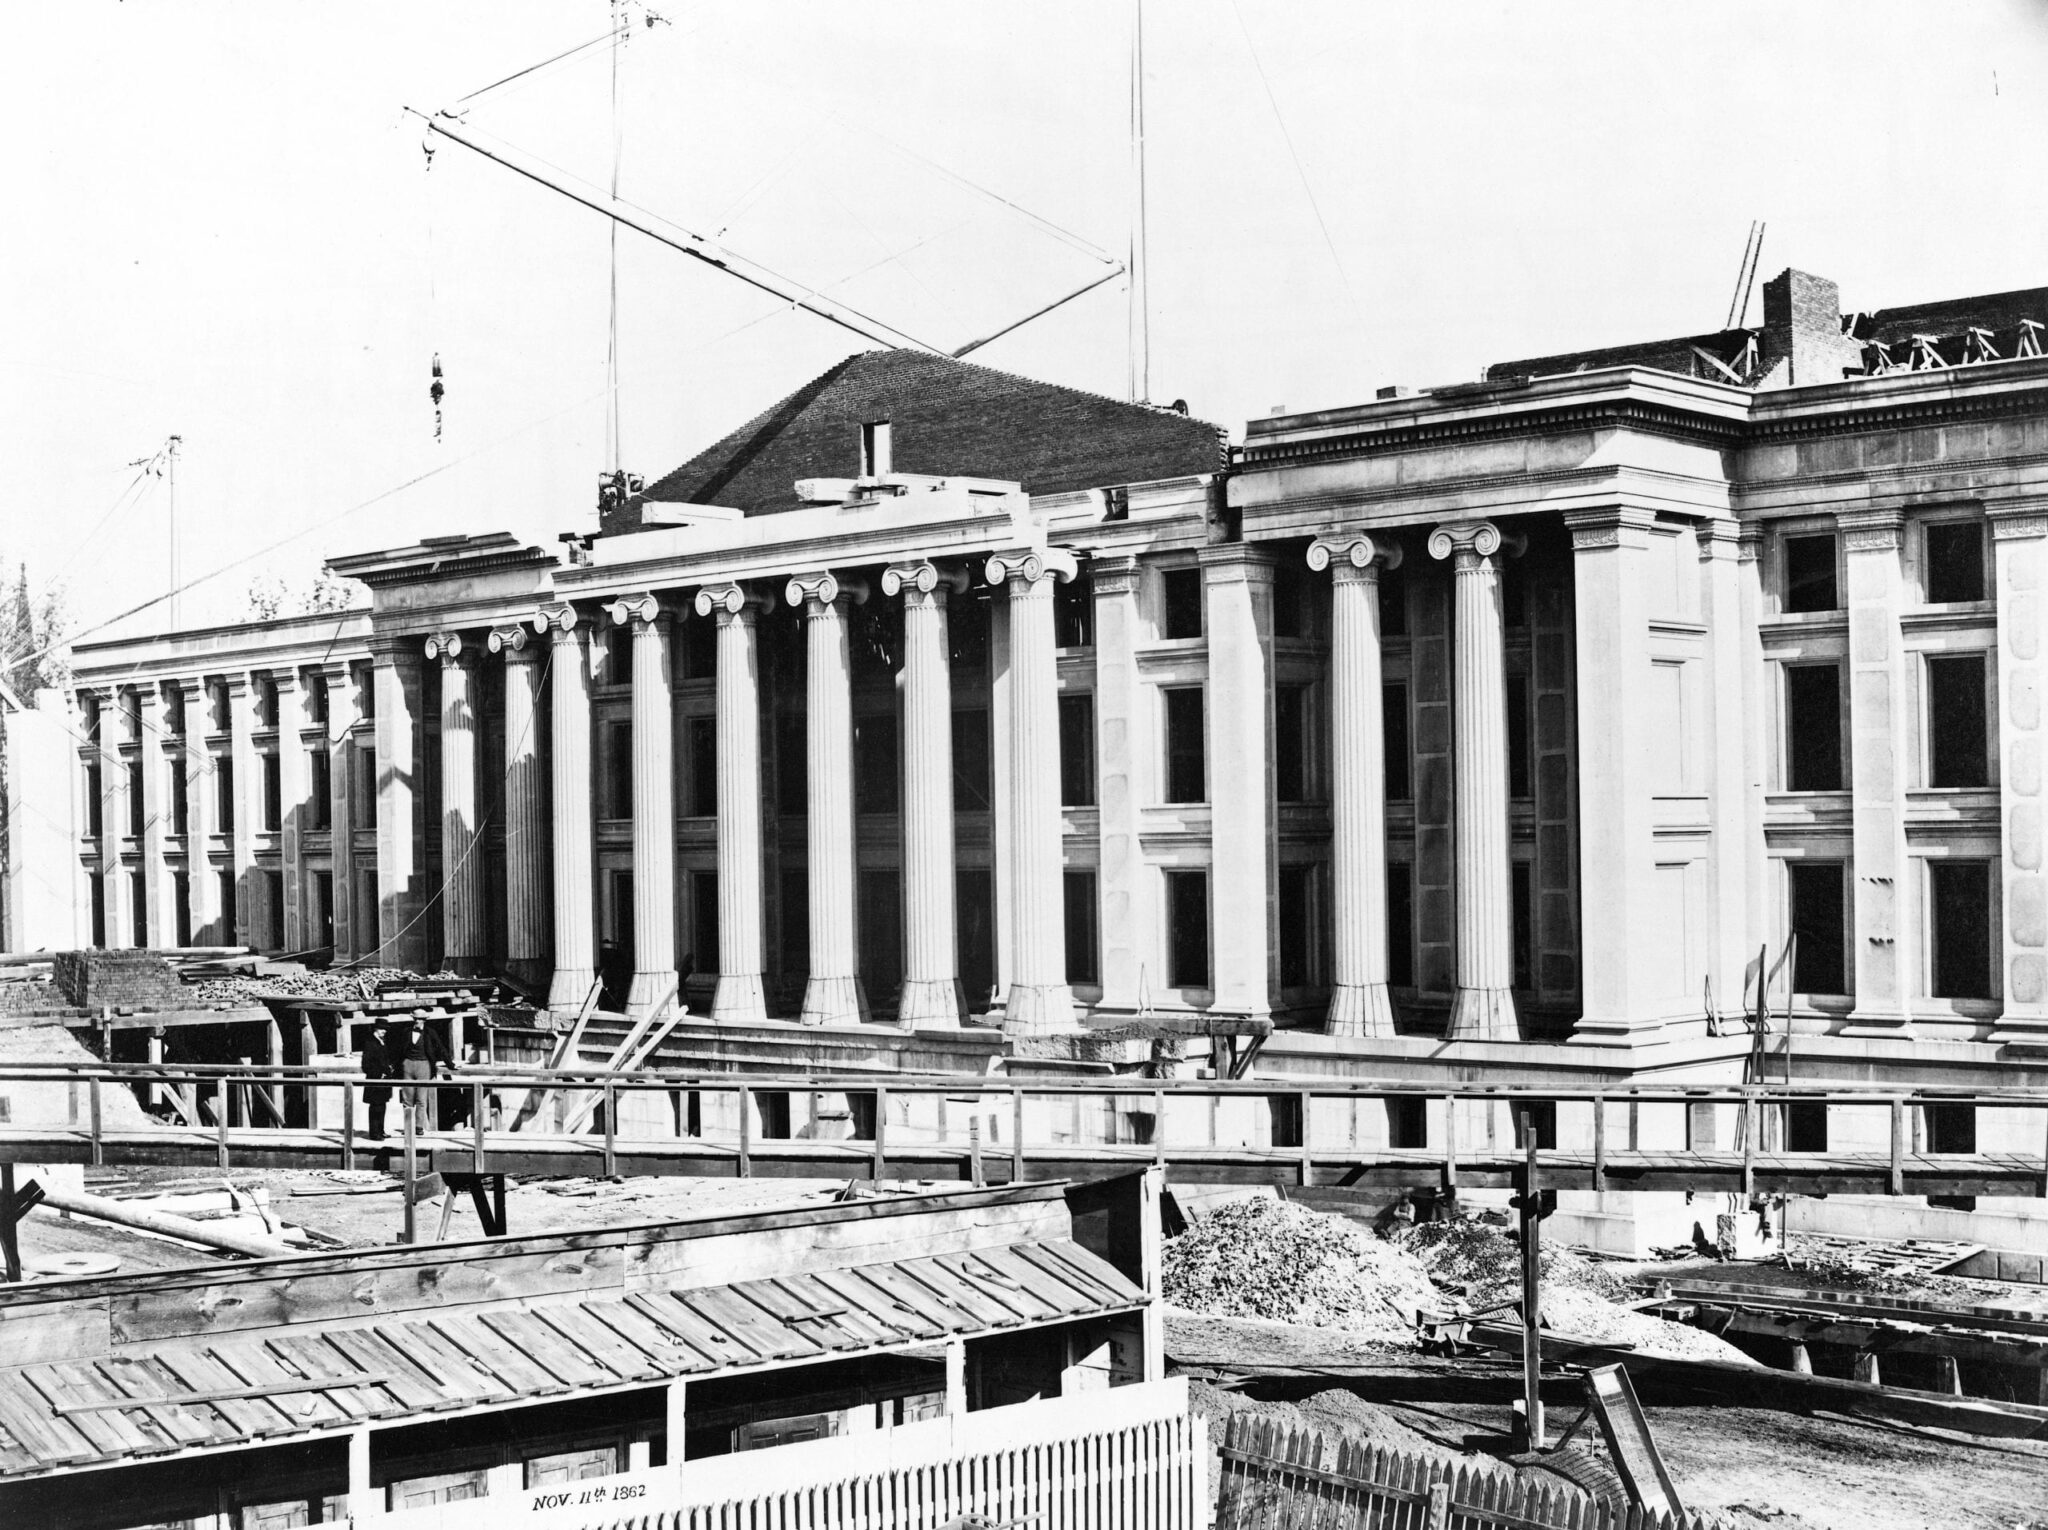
x=1527, y=710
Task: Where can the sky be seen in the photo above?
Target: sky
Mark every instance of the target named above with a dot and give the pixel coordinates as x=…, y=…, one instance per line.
x=221, y=224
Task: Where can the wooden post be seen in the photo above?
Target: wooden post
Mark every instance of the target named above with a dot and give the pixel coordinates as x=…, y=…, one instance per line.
x=476, y=1128
x=879, y=1166
x=1897, y=1181
x=1308, y=1163
x=1016, y=1136
x=1751, y=1124
x=1532, y=1293
x=1867, y=1369
x=348, y=1125
x=411, y=1229
x=678, y=1417
x=220, y=1118
x=1599, y=1143
x=99, y=1147
x=273, y=1092
x=746, y=1131
x=974, y=1146
x=155, y=1092
x=1450, y=1147
x=1439, y=1506
x=361, y=1504
x=1152, y=1269
x=611, y=1128
x=10, y=1243
x=1948, y=1376
x=956, y=1377
x=1159, y=1126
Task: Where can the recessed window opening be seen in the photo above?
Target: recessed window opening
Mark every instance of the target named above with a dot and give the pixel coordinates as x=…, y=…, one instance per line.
x=1810, y=573
x=1958, y=743
x=1186, y=770
x=1180, y=594
x=1959, y=895
x=1187, y=929
x=1955, y=562
x=1813, y=727
x=1818, y=920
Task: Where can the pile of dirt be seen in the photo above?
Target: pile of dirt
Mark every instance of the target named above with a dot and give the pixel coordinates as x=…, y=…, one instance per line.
x=1272, y=1259
x=1332, y=1414
x=1582, y=1315
x=1486, y=1261
x=342, y=985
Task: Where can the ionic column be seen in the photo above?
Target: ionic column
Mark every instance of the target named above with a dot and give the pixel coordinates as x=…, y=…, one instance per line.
x=399, y=682
x=1126, y=739
x=569, y=745
x=834, y=995
x=463, y=948
x=655, y=983
x=1484, y=1008
x=1039, y=999
x=201, y=813
x=116, y=892
x=339, y=741
x=932, y=997
x=739, y=997
x=292, y=702
x=2019, y=547
x=1359, y=1005
x=244, y=698
x=149, y=846
x=526, y=842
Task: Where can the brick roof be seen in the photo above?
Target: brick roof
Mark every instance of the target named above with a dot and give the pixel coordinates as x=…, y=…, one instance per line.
x=947, y=418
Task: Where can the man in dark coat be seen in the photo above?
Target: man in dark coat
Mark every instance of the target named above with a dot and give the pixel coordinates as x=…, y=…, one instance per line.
x=422, y=1055
x=378, y=1063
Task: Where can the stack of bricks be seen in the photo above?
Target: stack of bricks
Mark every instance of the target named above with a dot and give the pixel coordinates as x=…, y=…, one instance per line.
x=118, y=980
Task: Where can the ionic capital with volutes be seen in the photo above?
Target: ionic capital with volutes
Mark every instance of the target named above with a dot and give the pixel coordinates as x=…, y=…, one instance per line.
x=636, y=611
x=1031, y=565
x=1353, y=554
x=730, y=601
x=824, y=587
x=557, y=620
x=451, y=648
x=1467, y=542
x=923, y=577
x=515, y=642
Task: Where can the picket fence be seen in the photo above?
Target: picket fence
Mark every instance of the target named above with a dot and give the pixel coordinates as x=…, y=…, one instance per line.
x=1276, y=1478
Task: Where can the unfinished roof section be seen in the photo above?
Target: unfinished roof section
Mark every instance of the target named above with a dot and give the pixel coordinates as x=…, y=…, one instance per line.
x=231, y=1356
x=948, y=419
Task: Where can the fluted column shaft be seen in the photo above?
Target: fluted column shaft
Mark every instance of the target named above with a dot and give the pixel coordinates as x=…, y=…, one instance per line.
x=202, y=887
x=1039, y=999
x=740, y=997
x=526, y=848
x=462, y=861
x=834, y=995
x=655, y=981
x=156, y=880
x=401, y=821
x=293, y=782
x=1359, y=1004
x=569, y=772
x=1484, y=1009
x=339, y=742
x=251, y=920
x=931, y=997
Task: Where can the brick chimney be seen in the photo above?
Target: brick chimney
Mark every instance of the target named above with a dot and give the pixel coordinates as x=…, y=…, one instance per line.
x=1803, y=340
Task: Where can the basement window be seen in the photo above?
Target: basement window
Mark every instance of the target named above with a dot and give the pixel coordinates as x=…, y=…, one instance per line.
x=1543, y=1117
x=1813, y=727
x=1806, y=1126
x=1407, y=1122
x=1819, y=916
x=1958, y=743
x=1180, y=595
x=1951, y=1128
x=1810, y=573
x=1959, y=895
x=1955, y=562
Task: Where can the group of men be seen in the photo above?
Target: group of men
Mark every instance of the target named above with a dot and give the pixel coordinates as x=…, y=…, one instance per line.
x=397, y=1048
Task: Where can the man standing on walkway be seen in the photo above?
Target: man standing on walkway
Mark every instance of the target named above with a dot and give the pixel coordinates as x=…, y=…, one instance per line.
x=380, y=1062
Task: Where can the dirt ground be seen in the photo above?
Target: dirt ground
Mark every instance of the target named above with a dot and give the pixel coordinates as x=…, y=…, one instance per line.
x=1755, y=1466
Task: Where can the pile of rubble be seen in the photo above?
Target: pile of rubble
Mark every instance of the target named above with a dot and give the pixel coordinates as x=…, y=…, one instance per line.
x=341, y=985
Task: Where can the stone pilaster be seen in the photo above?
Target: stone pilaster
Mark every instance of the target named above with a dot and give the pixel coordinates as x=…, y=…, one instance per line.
x=1359, y=1004
x=1626, y=948
x=655, y=982
x=1125, y=742
x=1484, y=1006
x=202, y=815
x=526, y=824
x=156, y=809
x=343, y=712
x=1039, y=1000
x=1723, y=575
x=292, y=774
x=1237, y=600
x=834, y=995
x=252, y=916
x=740, y=998
x=2019, y=545
x=463, y=947
x=932, y=997
x=106, y=759
x=1885, y=921
x=399, y=681
x=569, y=772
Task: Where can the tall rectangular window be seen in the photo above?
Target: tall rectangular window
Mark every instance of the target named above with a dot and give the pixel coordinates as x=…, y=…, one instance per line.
x=273, y=908
x=273, y=793
x=1393, y=601
x=322, y=923
x=703, y=744
x=1955, y=562
x=319, y=798
x=1077, y=749
x=1810, y=573
x=181, y=908
x=363, y=788
x=94, y=801
x=1518, y=738
x=181, y=807
x=1818, y=921
x=618, y=656
x=1960, y=892
x=972, y=780
x=96, y=884
x=1520, y=895
x=229, y=912
x=1813, y=727
x=1073, y=613
x=796, y=924
x=618, y=768
x=137, y=820
x=1186, y=770
x=703, y=952
x=1394, y=738
x=1291, y=772
x=1298, y=920
x=1400, y=924
x=874, y=763
x=1180, y=595
x=700, y=649
x=974, y=905
x=1958, y=734
x=881, y=932
x=1187, y=929
x=1084, y=946
x=224, y=792
x=1290, y=599
x=138, y=907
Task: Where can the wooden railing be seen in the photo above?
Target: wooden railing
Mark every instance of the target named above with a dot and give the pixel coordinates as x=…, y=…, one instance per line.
x=1273, y=1475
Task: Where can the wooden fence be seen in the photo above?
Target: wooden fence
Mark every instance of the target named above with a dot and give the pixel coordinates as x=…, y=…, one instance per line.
x=1276, y=1478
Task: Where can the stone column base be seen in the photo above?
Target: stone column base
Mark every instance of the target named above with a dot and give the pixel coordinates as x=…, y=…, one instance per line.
x=1878, y=1027
x=1595, y=1032
x=1484, y=1014
x=649, y=991
x=1039, y=1010
x=2026, y=1031
x=834, y=1001
x=930, y=1004
x=738, y=999
x=569, y=987
x=1360, y=1009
